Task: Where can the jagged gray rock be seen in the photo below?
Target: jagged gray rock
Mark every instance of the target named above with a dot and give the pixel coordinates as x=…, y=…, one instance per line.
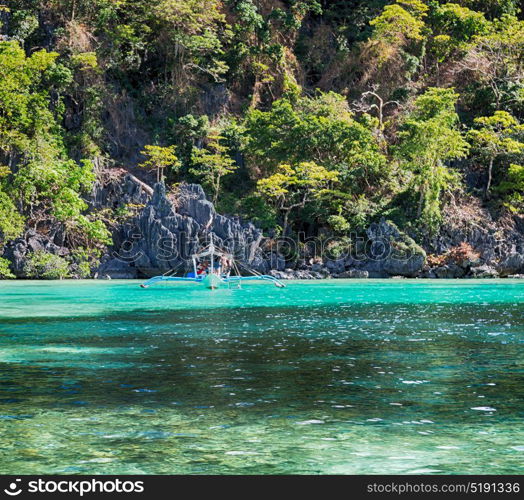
x=165, y=233
x=493, y=238
x=116, y=269
x=392, y=252
x=192, y=202
x=17, y=251
x=170, y=227
x=449, y=271
x=336, y=266
x=354, y=274
x=512, y=264
x=114, y=191
x=291, y=274
x=483, y=271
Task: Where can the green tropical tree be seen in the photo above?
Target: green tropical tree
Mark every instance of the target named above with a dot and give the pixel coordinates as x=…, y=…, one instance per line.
x=512, y=189
x=400, y=21
x=160, y=158
x=40, y=182
x=428, y=138
x=322, y=130
x=212, y=163
x=494, y=139
x=5, y=272
x=294, y=186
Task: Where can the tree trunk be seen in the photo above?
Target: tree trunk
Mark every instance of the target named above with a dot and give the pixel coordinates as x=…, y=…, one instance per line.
x=146, y=187
x=490, y=178
x=285, y=223
x=217, y=189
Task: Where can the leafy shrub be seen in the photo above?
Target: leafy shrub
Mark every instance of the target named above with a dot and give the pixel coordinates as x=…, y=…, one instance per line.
x=459, y=255
x=11, y=222
x=512, y=189
x=5, y=272
x=44, y=265
x=338, y=223
x=84, y=260
x=436, y=260
x=84, y=270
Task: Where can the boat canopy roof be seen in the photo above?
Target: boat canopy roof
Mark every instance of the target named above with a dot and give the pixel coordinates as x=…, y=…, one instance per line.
x=211, y=250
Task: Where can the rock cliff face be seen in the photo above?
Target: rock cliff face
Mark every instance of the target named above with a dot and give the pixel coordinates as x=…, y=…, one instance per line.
x=17, y=251
x=113, y=192
x=167, y=228
x=393, y=252
x=167, y=231
x=164, y=235
x=499, y=243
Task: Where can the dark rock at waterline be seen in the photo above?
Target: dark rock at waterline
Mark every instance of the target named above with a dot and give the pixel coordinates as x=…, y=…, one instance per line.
x=170, y=225
x=428, y=274
x=169, y=229
x=18, y=251
x=353, y=273
x=483, y=272
x=450, y=271
x=336, y=266
x=116, y=269
x=512, y=264
x=277, y=262
x=260, y=264
x=291, y=274
x=392, y=252
x=408, y=267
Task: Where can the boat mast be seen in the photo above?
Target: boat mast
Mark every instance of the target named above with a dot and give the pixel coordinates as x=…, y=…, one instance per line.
x=212, y=250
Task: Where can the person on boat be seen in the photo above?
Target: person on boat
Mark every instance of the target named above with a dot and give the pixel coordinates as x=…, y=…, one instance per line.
x=225, y=263
x=201, y=269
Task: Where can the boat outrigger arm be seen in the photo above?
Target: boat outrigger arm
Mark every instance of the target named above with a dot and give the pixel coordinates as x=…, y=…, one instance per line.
x=215, y=271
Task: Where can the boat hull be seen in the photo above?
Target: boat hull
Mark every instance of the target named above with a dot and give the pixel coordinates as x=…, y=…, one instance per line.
x=212, y=281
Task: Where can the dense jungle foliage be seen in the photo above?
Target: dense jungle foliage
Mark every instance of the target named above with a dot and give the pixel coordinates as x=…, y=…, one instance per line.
x=301, y=115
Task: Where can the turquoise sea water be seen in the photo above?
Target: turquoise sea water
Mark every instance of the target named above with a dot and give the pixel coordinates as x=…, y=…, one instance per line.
x=331, y=377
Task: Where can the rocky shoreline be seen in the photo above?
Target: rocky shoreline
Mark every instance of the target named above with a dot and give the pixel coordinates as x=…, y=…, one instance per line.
x=291, y=274
x=168, y=227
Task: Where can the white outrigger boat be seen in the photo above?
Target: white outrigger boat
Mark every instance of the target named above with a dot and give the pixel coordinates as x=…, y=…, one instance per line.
x=213, y=269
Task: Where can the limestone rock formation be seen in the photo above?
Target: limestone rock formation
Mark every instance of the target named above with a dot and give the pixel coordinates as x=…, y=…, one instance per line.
x=166, y=232
x=354, y=274
x=18, y=250
x=512, y=264
x=112, y=191
x=484, y=271
x=449, y=271
x=392, y=252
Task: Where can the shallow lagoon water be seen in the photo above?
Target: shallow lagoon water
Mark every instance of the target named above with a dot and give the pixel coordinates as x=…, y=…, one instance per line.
x=327, y=377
